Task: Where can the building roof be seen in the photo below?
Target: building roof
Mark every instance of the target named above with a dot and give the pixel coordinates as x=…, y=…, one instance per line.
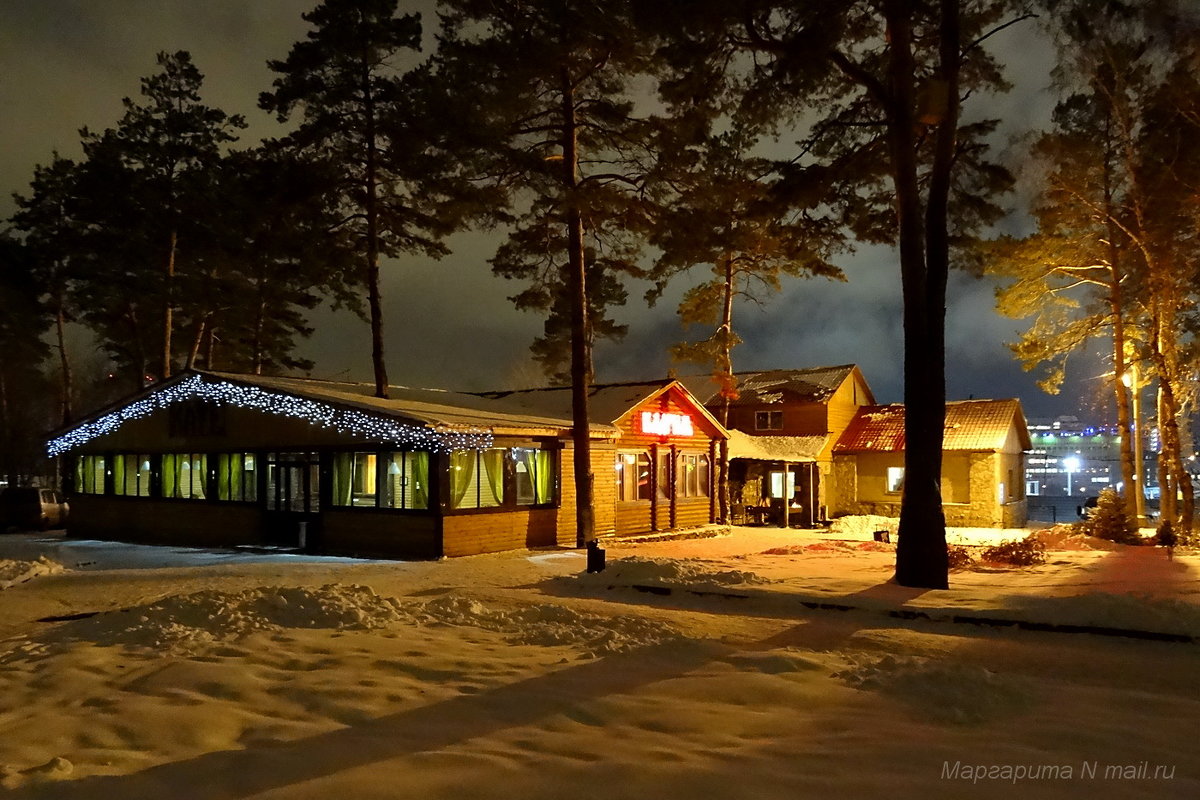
x=812, y=385
x=433, y=407
x=460, y=418
x=970, y=425
x=607, y=402
x=793, y=449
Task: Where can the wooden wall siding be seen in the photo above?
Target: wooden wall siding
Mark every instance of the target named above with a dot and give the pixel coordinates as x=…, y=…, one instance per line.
x=380, y=534
x=664, y=513
x=842, y=407
x=471, y=534
x=190, y=523
x=604, y=490
x=692, y=512
x=633, y=518
x=672, y=402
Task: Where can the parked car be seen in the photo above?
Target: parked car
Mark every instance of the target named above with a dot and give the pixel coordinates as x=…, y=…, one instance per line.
x=31, y=507
x=1088, y=505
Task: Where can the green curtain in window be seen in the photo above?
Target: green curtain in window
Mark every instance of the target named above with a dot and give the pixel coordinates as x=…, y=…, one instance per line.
x=343, y=478
x=80, y=486
x=172, y=467
x=493, y=465
x=539, y=466
x=223, y=464
x=119, y=474
x=462, y=472
x=199, y=488
x=229, y=476
x=418, y=474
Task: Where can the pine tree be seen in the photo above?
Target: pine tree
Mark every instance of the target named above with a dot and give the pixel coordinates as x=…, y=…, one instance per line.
x=23, y=412
x=164, y=149
x=1110, y=520
x=548, y=86
x=364, y=113
x=715, y=207
x=874, y=89
x=47, y=221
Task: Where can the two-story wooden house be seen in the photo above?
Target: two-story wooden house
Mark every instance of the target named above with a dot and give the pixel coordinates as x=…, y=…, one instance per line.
x=783, y=425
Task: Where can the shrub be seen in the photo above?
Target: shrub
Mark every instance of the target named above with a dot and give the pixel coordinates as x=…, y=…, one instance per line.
x=1025, y=552
x=958, y=557
x=1109, y=520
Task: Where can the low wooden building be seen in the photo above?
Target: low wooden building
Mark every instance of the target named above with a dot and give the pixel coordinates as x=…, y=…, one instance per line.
x=215, y=459
x=983, y=463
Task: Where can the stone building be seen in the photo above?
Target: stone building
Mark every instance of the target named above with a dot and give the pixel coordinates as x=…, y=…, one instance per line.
x=983, y=464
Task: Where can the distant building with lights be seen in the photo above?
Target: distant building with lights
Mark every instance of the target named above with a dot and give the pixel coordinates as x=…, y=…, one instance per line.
x=1070, y=457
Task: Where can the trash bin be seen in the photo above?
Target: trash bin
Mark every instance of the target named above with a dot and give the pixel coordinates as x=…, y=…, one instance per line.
x=595, y=557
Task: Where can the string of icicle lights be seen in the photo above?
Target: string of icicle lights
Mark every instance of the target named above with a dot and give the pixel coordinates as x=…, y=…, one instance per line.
x=380, y=429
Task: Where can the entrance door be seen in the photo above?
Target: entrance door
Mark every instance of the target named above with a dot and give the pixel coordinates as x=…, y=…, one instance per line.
x=293, y=499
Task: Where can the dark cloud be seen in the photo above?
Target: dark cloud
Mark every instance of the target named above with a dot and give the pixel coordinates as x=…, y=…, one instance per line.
x=67, y=63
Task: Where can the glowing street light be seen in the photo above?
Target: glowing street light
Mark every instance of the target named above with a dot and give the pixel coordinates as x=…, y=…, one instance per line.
x=1070, y=464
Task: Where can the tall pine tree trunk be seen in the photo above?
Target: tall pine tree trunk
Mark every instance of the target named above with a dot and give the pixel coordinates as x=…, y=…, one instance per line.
x=1135, y=494
x=581, y=355
x=371, y=209
x=728, y=387
x=198, y=339
x=168, y=308
x=67, y=384
x=921, y=559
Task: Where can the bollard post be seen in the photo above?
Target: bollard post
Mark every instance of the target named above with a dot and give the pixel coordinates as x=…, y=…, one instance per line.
x=595, y=557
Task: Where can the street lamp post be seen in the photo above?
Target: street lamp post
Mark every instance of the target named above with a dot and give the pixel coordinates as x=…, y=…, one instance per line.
x=1070, y=464
x=1130, y=379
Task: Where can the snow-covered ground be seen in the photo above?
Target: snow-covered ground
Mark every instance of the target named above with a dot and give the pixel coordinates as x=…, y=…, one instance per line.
x=760, y=664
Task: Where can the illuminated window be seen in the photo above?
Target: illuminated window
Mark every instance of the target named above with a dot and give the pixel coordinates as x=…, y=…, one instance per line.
x=237, y=477
x=533, y=470
x=131, y=475
x=692, y=475
x=89, y=475
x=633, y=477
x=768, y=420
x=355, y=479
x=406, y=484
x=777, y=484
x=895, y=479
x=185, y=475
x=477, y=478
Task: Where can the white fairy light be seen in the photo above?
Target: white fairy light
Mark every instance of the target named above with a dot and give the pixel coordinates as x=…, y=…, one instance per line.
x=441, y=439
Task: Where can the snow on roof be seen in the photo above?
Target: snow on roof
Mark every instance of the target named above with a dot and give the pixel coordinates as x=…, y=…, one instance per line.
x=425, y=406
x=606, y=401
x=815, y=384
x=970, y=425
x=774, y=448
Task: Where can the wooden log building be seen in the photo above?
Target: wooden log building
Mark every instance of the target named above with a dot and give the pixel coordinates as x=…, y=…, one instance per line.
x=225, y=460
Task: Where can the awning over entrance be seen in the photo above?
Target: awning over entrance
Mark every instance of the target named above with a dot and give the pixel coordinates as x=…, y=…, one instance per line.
x=792, y=449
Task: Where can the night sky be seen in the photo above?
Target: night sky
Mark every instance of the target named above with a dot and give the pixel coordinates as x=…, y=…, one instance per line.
x=67, y=63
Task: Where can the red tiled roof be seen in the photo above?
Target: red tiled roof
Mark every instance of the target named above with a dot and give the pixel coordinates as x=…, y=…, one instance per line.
x=970, y=425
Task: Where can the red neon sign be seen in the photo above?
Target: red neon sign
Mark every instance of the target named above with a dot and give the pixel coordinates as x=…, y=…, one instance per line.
x=659, y=423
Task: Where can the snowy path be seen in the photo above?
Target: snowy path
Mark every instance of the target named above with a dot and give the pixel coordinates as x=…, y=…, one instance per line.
x=515, y=676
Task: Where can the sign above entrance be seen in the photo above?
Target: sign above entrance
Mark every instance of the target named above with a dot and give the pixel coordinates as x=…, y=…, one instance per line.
x=658, y=423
